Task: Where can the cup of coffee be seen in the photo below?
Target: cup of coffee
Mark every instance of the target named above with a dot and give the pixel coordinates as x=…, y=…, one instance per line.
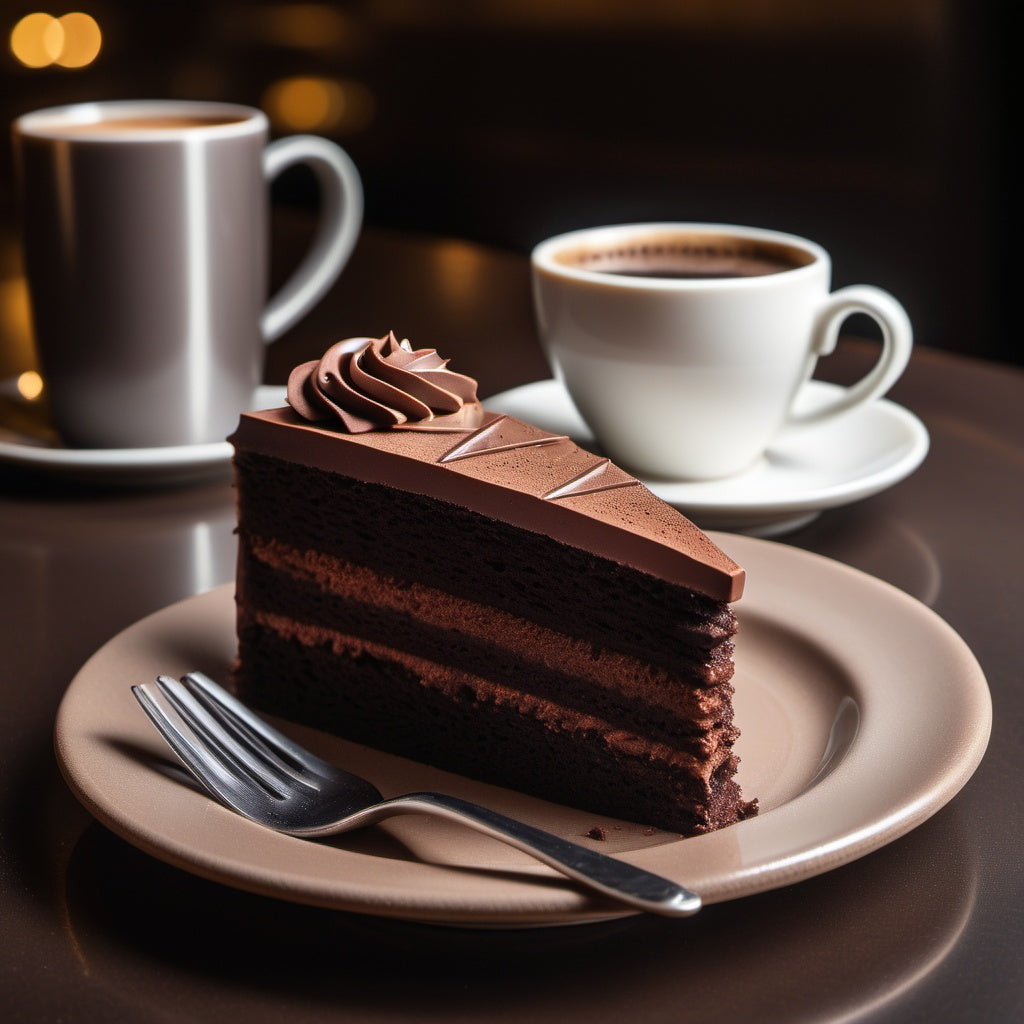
x=145, y=237
x=685, y=346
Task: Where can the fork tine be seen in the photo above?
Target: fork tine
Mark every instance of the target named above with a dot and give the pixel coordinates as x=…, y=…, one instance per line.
x=218, y=700
x=235, y=752
x=255, y=744
x=210, y=771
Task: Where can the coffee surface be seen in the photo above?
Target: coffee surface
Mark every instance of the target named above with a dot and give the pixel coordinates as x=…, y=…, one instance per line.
x=696, y=259
x=116, y=125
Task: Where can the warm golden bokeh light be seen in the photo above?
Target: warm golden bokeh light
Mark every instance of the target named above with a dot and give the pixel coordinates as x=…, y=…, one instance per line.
x=37, y=40
x=303, y=103
x=17, y=351
x=72, y=41
x=303, y=26
x=318, y=104
x=82, y=40
x=30, y=385
x=458, y=269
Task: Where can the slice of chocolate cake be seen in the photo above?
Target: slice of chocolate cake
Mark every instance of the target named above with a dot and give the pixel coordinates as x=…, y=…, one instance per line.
x=459, y=587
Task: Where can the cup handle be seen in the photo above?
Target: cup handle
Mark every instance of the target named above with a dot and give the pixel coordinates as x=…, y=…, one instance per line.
x=341, y=216
x=897, y=341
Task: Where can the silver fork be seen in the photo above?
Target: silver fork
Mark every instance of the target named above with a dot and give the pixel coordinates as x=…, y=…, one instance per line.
x=255, y=770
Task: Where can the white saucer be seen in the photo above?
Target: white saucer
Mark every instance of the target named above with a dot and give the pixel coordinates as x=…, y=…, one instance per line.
x=129, y=466
x=807, y=469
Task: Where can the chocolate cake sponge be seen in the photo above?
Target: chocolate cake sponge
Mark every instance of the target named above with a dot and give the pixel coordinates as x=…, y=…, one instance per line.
x=484, y=596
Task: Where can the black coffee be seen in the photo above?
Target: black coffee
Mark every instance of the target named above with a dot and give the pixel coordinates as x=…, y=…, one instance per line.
x=157, y=122
x=699, y=273
x=697, y=259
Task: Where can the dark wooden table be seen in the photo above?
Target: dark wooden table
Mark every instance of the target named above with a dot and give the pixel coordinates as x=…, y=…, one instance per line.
x=930, y=928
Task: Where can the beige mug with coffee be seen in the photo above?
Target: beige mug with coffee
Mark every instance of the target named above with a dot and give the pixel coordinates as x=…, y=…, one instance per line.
x=146, y=235
x=685, y=346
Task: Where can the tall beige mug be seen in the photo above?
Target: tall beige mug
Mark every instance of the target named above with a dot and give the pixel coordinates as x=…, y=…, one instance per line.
x=146, y=250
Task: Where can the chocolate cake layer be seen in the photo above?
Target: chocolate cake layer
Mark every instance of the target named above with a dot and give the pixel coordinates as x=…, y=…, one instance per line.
x=567, y=759
x=517, y=474
x=566, y=589
x=343, y=601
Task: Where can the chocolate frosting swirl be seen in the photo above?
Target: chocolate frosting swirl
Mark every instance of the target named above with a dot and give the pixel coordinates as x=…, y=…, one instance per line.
x=382, y=384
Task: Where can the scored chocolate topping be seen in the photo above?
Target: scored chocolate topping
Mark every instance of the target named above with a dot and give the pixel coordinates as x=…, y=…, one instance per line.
x=517, y=473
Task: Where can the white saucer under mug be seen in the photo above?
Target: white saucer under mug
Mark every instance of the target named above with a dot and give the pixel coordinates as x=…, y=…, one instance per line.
x=806, y=470
x=132, y=467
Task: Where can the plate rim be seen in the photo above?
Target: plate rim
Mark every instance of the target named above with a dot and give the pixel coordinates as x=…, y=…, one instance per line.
x=543, y=897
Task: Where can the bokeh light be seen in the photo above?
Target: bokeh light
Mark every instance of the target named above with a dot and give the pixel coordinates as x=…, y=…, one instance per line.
x=303, y=26
x=308, y=103
x=40, y=40
x=37, y=39
x=30, y=385
x=82, y=40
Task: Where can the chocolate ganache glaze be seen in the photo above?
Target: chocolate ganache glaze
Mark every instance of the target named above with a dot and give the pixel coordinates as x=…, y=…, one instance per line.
x=383, y=384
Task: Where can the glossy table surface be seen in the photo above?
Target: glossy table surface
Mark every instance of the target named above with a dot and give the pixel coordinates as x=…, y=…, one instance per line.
x=928, y=928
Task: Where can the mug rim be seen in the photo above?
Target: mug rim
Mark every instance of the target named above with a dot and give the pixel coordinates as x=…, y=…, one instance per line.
x=544, y=256
x=90, y=117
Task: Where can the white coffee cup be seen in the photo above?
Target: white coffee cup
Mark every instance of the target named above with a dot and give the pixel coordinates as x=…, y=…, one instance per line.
x=685, y=346
x=146, y=237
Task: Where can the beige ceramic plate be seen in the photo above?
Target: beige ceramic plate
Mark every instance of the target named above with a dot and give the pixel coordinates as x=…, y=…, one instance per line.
x=862, y=714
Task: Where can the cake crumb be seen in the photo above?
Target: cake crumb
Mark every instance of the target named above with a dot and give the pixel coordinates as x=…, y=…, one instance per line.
x=649, y=831
x=597, y=832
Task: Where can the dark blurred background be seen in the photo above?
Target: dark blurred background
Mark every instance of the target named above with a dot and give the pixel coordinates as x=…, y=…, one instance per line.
x=884, y=129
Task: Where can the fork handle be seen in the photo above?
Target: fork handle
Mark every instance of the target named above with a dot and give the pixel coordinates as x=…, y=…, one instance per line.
x=615, y=878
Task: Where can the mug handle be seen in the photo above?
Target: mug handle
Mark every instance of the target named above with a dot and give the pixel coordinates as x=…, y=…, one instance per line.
x=341, y=216
x=897, y=342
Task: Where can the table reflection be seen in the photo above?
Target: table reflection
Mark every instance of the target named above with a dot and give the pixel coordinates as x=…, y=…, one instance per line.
x=158, y=546
x=882, y=934
x=887, y=546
